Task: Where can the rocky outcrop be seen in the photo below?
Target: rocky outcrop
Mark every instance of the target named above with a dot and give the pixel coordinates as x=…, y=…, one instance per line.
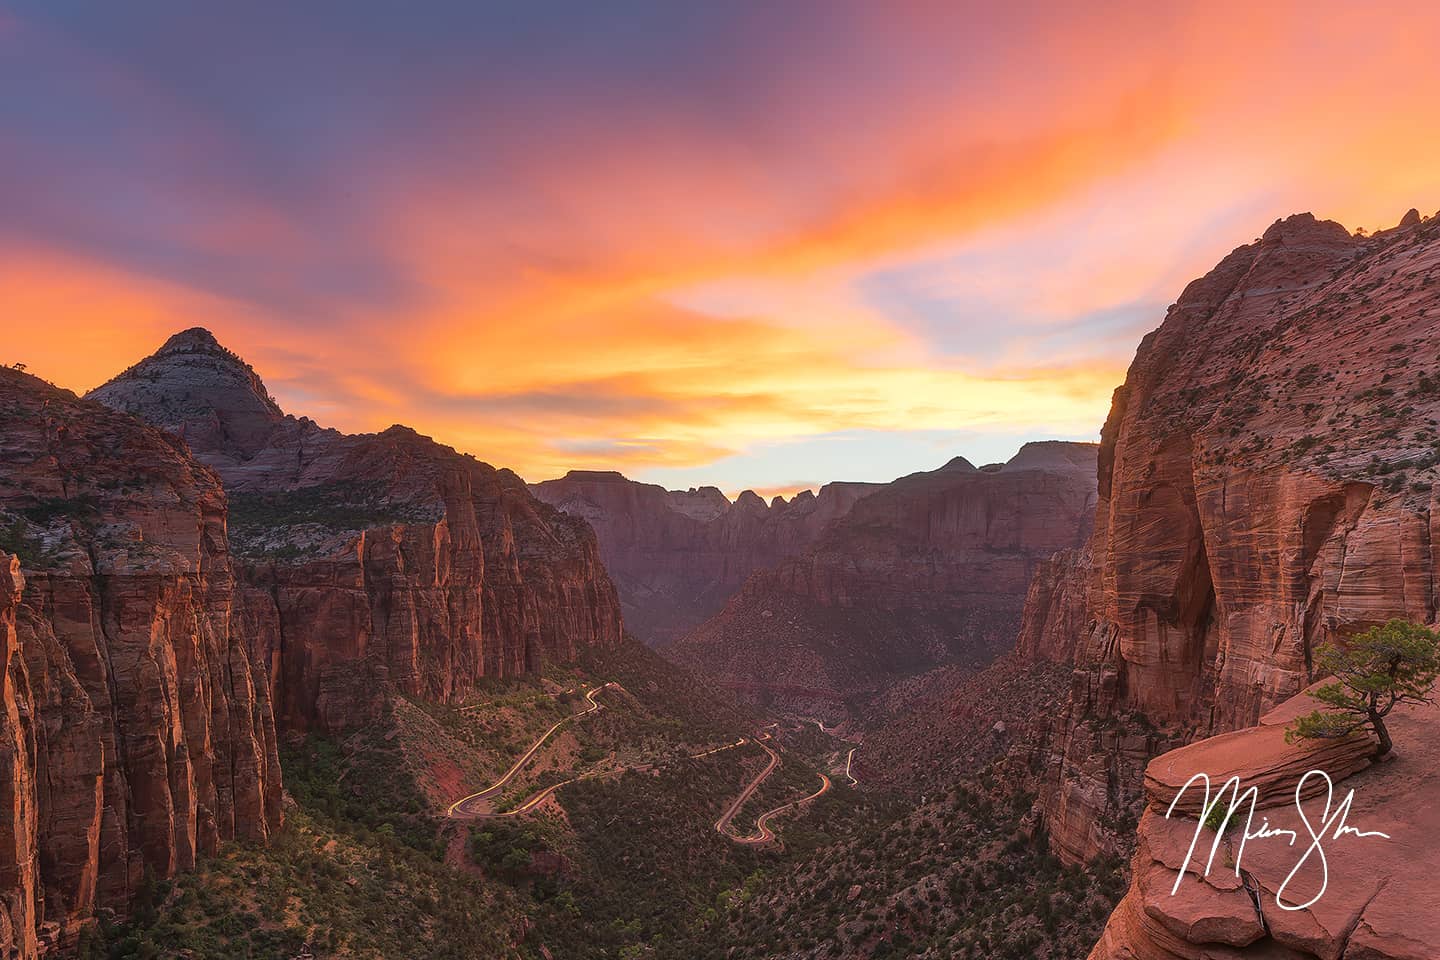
x=933, y=568
x=373, y=562
x=677, y=556
x=1377, y=901
x=1055, y=617
x=136, y=732
x=1266, y=483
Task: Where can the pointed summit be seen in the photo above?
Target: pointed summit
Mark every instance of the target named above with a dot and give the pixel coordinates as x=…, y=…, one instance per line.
x=194, y=340
x=196, y=388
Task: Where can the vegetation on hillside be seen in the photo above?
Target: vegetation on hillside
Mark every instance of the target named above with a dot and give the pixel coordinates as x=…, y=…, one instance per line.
x=622, y=865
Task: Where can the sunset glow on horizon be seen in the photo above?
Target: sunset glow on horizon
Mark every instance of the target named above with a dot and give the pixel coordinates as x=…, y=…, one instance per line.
x=745, y=245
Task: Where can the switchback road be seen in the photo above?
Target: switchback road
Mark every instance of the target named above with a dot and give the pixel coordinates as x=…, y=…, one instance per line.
x=471, y=806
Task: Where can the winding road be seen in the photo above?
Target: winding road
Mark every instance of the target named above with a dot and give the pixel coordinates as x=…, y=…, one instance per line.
x=466, y=807
x=545, y=794
x=722, y=826
x=476, y=806
x=763, y=833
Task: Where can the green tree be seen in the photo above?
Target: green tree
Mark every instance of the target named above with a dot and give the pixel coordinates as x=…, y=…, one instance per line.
x=1376, y=670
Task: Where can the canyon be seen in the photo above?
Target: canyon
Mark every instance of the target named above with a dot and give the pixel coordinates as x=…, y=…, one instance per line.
x=177, y=596
x=677, y=556
x=191, y=578
x=930, y=569
x=137, y=730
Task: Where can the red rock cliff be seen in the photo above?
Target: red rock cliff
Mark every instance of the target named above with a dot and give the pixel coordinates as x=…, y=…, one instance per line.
x=932, y=568
x=1266, y=482
x=373, y=562
x=677, y=556
x=136, y=730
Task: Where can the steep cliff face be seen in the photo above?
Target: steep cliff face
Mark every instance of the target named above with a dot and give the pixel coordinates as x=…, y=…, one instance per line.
x=18, y=877
x=136, y=731
x=677, y=556
x=932, y=568
x=373, y=562
x=1266, y=482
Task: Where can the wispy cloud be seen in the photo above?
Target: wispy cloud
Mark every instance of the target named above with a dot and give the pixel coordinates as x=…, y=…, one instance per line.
x=680, y=242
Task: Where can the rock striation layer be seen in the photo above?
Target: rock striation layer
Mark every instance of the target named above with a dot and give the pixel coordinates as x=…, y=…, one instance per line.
x=677, y=556
x=136, y=731
x=374, y=562
x=930, y=569
x=1266, y=483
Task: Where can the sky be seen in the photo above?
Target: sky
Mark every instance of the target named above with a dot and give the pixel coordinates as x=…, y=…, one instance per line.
x=751, y=244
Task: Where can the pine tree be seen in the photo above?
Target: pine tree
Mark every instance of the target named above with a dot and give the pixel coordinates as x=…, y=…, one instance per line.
x=1374, y=672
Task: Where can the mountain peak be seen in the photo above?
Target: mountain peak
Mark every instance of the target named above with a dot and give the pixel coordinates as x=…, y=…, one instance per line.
x=191, y=340
x=196, y=388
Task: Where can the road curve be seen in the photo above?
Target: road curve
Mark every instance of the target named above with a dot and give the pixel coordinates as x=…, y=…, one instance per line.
x=464, y=808
x=849, y=761
x=722, y=826
x=763, y=833
x=549, y=791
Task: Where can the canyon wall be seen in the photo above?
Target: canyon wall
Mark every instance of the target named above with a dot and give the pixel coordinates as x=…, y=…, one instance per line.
x=1266, y=483
x=677, y=556
x=137, y=731
x=373, y=562
x=930, y=569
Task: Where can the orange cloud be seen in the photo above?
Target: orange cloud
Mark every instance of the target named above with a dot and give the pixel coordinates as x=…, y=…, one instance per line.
x=652, y=286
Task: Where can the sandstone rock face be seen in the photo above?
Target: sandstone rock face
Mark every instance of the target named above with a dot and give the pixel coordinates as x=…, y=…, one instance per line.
x=931, y=569
x=677, y=556
x=373, y=562
x=1266, y=483
x=136, y=731
x=18, y=874
x=1378, y=900
x=1055, y=618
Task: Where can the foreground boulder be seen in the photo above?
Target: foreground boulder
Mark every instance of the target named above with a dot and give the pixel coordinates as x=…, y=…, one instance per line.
x=1379, y=901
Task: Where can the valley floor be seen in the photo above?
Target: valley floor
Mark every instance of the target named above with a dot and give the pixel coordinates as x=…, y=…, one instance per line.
x=618, y=810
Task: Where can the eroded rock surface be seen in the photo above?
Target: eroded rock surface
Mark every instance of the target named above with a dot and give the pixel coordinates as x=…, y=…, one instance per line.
x=378, y=561
x=1378, y=901
x=1266, y=483
x=676, y=556
x=930, y=569
x=136, y=731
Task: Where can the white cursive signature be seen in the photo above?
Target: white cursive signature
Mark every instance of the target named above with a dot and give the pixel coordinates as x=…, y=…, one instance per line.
x=1328, y=820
